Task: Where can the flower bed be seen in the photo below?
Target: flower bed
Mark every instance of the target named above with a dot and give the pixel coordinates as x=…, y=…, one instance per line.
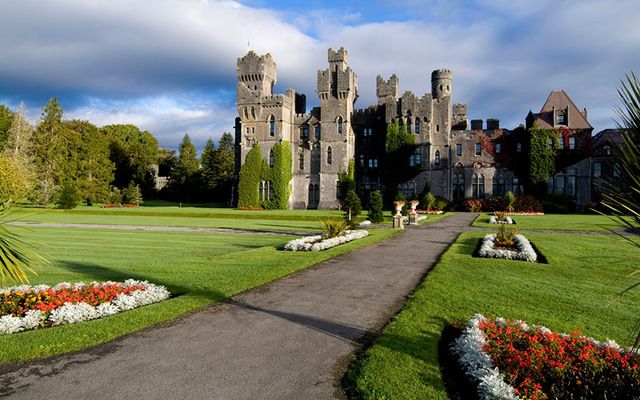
x=494, y=220
x=434, y=212
x=25, y=307
x=511, y=360
x=317, y=243
x=524, y=251
x=524, y=213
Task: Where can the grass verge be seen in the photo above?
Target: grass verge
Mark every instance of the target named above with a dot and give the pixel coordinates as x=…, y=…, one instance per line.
x=199, y=269
x=557, y=222
x=574, y=291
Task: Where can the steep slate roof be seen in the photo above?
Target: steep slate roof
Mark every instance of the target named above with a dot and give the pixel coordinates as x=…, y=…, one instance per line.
x=561, y=101
x=607, y=137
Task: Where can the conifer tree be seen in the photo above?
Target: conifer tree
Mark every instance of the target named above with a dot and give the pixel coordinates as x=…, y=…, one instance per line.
x=19, y=134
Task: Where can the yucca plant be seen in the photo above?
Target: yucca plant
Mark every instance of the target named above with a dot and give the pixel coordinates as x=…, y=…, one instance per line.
x=511, y=201
x=501, y=215
x=506, y=237
x=333, y=227
x=16, y=256
x=624, y=200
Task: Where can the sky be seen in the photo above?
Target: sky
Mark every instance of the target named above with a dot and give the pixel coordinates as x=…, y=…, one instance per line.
x=169, y=66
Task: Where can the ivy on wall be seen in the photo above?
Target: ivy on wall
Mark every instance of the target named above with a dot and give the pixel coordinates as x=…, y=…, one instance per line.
x=542, y=159
x=399, y=146
x=281, y=175
x=250, y=176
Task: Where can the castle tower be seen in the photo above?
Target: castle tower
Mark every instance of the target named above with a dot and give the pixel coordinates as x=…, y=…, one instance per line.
x=440, y=131
x=387, y=91
x=337, y=90
x=441, y=83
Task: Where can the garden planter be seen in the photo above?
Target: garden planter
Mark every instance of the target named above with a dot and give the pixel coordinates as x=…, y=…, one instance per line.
x=523, y=249
x=318, y=243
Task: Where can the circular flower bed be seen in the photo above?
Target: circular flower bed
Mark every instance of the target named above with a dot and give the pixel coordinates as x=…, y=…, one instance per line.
x=317, y=243
x=523, y=251
x=31, y=307
x=512, y=360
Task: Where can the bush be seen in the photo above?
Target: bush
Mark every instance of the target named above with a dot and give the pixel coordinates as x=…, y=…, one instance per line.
x=506, y=236
x=511, y=201
x=474, y=205
x=527, y=203
x=442, y=204
x=69, y=196
x=375, y=207
x=249, y=181
x=428, y=202
x=132, y=194
x=495, y=204
x=115, y=197
x=351, y=205
x=557, y=203
x=333, y=227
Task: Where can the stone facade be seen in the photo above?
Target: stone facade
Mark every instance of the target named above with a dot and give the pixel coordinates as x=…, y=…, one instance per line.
x=456, y=159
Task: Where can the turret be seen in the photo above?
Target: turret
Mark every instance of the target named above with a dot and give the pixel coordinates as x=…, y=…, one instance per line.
x=387, y=91
x=441, y=83
x=256, y=74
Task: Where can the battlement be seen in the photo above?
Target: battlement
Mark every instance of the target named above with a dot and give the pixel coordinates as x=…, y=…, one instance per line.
x=341, y=55
x=387, y=90
x=443, y=73
x=460, y=109
x=253, y=67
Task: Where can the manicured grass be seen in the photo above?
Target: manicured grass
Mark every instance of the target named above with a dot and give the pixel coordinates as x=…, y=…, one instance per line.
x=198, y=269
x=576, y=290
x=159, y=220
x=560, y=222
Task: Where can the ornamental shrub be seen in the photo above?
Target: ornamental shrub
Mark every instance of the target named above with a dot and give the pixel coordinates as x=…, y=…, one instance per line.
x=428, y=202
x=442, y=204
x=249, y=182
x=69, y=196
x=474, y=205
x=280, y=175
x=351, y=205
x=132, y=194
x=506, y=236
x=511, y=201
x=528, y=203
x=333, y=227
x=375, y=207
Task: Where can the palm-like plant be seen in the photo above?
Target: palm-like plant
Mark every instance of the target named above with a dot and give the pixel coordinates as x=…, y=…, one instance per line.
x=624, y=200
x=16, y=256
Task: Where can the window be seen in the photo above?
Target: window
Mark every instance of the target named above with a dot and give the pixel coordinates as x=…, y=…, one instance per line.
x=560, y=184
x=607, y=150
x=304, y=132
x=550, y=184
x=317, y=131
x=314, y=194
x=437, y=128
x=329, y=155
x=550, y=144
x=248, y=130
x=373, y=163
x=498, y=186
x=519, y=147
x=478, y=186
x=518, y=188
x=597, y=170
x=616, y=170
x=478, y=149
x=368, y=132
x=459, y=149
x=498, y=148
x=272, y=126
x=458, y=186
x=407, y=189
x=436, y=160
x=301, y=161
x=415, y=160
x=362, y=160
x=572, y=142
x=417, y=126
x=408, y=125
x=340, y=125
x=271, y=158
x=561, y=119
x=571, y=185
x=560, y=141
x=264, y=191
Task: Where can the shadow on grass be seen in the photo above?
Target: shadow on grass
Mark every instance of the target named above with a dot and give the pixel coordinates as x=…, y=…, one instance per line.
x=101, y=273
x=458, y=385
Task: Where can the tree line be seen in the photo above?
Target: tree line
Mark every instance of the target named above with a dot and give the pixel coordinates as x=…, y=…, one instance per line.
x=69, y=162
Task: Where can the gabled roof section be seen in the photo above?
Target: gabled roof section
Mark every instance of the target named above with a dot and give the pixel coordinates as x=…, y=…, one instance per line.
x=559, y=100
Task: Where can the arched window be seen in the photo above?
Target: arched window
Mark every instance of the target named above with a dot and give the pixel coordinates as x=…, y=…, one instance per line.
x=339, y=125
x=407, y=189
x=417, y=126
x=436, y=160
x=409, y=123
x=272, y=126
x=301, y=161
x=362, y=160
x=478, y=186
x=246, y=114
x=498, y=186
x=458, y=186
x=271, y=158
x=329, y=155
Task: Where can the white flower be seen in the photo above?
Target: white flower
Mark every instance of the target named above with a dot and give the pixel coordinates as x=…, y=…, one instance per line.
x=525, y=251
x=315, y=243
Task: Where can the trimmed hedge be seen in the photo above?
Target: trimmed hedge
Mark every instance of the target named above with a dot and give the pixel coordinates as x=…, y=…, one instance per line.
x=250, y=174
x=280, y=175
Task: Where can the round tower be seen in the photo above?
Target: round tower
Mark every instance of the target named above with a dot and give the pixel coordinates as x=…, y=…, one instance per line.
x=441, y=83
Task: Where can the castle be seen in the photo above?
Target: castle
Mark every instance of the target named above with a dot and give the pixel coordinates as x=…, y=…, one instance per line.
x=456, y=159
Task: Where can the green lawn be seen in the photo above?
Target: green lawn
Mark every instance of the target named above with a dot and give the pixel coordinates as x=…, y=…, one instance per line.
x=560, y=222
x=573, y=291
x=197, y=268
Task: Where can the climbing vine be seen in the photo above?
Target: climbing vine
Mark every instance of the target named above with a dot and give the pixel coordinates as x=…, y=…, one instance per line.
x=281, y=175
x=250, y=175
x=542, y=159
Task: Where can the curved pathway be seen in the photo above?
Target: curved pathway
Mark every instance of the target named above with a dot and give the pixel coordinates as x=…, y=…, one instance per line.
x=290, y=339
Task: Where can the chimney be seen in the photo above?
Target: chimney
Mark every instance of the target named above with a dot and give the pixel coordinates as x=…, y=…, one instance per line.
x=584, y=112
x=493, y=124
x=476, y=124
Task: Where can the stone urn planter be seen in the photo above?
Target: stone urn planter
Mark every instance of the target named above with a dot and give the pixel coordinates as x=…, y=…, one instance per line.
x=398, y=222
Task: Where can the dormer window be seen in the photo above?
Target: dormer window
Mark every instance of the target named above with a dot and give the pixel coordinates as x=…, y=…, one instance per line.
x=561, y=119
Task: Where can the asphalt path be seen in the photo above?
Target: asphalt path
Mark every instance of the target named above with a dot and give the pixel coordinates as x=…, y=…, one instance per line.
x=290, y=339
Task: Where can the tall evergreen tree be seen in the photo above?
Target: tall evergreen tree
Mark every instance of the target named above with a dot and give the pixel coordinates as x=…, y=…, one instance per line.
x=207, y=161
x=224, y=168
x=50, y=157
x=6, y=117
x=19, y=136
x=94, y=169
x=184, y=178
